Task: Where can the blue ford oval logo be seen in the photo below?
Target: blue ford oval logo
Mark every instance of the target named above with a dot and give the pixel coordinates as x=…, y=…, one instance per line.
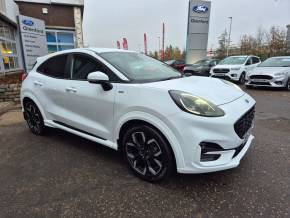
x=28, y=22
x=200, y=8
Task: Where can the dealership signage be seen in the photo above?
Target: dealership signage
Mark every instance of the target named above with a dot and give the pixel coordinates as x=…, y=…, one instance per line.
x=33, y=39
x=197, y=31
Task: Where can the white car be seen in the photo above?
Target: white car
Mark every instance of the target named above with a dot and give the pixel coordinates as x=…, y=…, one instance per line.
x=274, y=72
x=127, y=101
x=235, y=68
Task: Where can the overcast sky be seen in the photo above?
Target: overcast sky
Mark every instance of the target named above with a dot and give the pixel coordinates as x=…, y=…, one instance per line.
x=106, y=21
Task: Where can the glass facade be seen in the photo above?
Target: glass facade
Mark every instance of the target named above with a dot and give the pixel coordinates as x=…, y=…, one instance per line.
x=59, y=40
x=9, y=54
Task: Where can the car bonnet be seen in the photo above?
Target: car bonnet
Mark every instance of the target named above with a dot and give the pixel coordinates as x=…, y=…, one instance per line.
x=211, y=89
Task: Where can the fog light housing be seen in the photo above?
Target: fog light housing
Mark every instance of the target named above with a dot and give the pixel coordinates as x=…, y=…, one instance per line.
x=280, y=83
x=209, y=147
x=234, y=75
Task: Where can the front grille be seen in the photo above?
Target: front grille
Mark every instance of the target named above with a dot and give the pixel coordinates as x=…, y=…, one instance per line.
x=261, y=77
x=260, y=83
x=221, y=70
x=221, y=77
x=243, y=125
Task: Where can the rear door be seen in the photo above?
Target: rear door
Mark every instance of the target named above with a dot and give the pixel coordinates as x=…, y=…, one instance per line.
x=49, y=81
x=89, y=108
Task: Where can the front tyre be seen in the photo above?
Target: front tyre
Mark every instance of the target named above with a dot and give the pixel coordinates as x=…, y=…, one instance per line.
x=288, y=85
x=147, y=153
x=33, y=118
x=242, y=79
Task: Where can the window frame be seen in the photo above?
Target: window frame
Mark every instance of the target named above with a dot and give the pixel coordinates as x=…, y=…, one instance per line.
x=58, y=44
x=11, y=39
x=104, y=66
x=66, y=67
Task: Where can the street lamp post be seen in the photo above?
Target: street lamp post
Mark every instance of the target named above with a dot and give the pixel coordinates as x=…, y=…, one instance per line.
x=229, y=40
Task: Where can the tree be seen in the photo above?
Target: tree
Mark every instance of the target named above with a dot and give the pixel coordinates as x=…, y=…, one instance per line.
x=221, y=51
x=276, y=40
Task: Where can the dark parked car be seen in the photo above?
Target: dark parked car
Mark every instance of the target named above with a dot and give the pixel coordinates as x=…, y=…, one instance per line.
x=177, y=64
x=200, y=68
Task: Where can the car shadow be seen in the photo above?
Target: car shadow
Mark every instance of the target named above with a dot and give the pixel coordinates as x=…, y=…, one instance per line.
x=114, y=158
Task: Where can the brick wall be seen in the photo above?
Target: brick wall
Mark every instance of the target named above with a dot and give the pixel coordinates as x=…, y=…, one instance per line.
x=10, y=92
x=10, y=86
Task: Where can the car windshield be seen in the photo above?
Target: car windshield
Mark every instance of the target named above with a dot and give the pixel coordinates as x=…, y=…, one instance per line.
x=202, y=63
x=139, y=67
x=233, y=61
x=276, y=62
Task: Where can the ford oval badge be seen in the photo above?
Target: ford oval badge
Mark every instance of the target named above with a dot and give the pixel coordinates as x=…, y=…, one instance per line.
x=200, y=9
x=28, y=22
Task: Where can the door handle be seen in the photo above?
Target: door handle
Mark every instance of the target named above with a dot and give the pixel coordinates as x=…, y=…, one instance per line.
x=71, y=89
x=37, y=83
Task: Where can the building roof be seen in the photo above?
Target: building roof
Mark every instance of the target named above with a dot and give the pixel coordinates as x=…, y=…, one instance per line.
x=56, y=2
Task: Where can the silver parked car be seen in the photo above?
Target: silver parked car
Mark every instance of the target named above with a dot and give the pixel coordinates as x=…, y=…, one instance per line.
x=274, y=72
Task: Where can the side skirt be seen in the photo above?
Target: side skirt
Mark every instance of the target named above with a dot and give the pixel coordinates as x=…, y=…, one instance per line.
x=81, y=133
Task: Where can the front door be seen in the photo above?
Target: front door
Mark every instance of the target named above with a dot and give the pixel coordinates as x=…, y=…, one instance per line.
x=89, y=107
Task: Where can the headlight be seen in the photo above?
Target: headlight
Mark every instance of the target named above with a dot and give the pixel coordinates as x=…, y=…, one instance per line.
x=280, y=74
x=231, y=84
x=235, y=68
x=195, y=105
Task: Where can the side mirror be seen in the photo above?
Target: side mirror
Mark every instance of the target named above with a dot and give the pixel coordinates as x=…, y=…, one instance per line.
x=100, y=78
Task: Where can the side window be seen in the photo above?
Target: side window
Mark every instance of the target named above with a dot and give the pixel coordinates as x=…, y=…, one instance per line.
x=255, y=60
x=83, y=65
x=55, y=67
x=212, y=64
x=249, y=61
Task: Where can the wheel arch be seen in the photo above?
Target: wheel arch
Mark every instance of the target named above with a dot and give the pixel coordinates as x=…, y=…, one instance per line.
x=30, y=97
x=154, y=122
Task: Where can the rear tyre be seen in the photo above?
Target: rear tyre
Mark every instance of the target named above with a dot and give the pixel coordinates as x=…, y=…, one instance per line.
x=34, y=119
x=147, y=153
x=242, y=79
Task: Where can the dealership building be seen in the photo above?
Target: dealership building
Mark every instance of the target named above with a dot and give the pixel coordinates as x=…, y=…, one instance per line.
x=33, y=28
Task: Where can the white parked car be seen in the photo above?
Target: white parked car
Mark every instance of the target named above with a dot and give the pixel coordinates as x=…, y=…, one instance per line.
x=130, y=102
x=274, y=72
x=235, y=68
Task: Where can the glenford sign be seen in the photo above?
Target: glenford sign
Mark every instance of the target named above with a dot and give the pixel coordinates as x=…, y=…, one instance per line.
x=197, y=31
x=33, y=38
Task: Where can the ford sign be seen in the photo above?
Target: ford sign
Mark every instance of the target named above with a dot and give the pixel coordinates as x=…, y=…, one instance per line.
x=28, y=22
x=200, y=8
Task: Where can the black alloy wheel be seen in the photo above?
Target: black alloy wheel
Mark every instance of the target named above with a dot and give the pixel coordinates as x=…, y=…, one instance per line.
x=147, y=153
x=33, y=118
x=242, y=79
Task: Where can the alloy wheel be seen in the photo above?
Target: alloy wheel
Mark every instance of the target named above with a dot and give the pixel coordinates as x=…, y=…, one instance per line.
x=33, y=118
x=243, y=79
x=144, y=154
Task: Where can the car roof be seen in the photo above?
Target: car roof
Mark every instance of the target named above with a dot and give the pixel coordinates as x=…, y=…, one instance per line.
x=281, y=57
x=96, y=50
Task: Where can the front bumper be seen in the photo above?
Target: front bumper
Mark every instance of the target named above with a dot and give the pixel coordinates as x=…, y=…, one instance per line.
x=276, y=82
x=192, y=130
x=232, y=75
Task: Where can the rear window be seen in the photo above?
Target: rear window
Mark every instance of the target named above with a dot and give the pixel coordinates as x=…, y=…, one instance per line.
x=55, y=67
